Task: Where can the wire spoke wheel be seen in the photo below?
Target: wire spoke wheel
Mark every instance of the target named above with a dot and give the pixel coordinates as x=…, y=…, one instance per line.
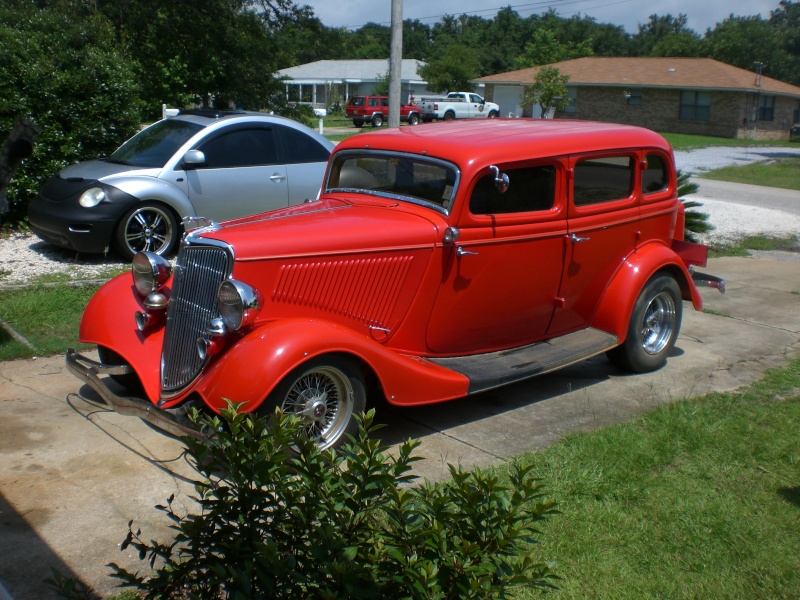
x=325, y=394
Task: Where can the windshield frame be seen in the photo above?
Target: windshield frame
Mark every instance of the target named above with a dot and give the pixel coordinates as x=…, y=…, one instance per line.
x=443, y=208
x=137, y=146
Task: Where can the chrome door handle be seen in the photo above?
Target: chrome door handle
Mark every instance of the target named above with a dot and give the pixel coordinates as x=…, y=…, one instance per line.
x=575, y=239
x=460, y=251
x=277, y=177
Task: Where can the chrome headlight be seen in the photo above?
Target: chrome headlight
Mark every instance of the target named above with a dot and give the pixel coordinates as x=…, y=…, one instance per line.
x=150, y=272
x=92, y=197
x=239, y=304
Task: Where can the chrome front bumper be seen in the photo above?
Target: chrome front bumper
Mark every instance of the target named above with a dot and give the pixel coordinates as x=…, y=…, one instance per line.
x=174, y=421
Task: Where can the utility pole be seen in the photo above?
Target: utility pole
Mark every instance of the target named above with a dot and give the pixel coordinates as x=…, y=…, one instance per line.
x=395, y=63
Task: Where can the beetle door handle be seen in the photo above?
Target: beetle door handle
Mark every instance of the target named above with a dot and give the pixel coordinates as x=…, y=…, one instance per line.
x=460, y=251
x=277, y=177
x=575, y=239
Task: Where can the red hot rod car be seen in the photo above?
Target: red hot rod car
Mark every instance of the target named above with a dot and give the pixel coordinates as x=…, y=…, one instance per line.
x=437, y=262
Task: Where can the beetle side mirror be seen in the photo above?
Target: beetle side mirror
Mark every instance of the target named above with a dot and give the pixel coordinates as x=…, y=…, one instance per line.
x=194, y=158
x=501, y=180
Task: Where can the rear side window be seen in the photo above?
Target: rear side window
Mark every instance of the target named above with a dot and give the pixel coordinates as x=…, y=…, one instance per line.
x=302, y=148
x=603, y=179
x=655, y=175
x=529, y=189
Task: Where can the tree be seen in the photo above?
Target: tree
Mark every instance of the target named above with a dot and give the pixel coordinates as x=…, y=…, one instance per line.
x=545, y=49
x=549, y=90
x=657, y=29
x=452, y=70
x=62, y=70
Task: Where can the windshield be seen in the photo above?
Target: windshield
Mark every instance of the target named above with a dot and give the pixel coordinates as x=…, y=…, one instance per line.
x=154, y=146
x=409, y=177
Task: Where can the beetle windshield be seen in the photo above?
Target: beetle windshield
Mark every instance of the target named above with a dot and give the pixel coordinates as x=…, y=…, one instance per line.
x=409, y=177
x=154, y=146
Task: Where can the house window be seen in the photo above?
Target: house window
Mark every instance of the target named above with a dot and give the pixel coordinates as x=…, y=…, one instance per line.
x=572, y=96
x=796, y=115
x=695, y=106
x=633, y=97
x=766, y=108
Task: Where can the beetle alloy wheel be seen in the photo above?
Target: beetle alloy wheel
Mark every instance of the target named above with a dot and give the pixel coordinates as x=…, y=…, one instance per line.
x=150, y=229
x=658, y=323
x=323, y=398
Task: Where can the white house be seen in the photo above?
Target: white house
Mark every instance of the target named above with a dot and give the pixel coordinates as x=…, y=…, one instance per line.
x=325, y=82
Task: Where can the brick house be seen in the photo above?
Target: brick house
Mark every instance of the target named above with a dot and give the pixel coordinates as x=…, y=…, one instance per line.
x=678, y=95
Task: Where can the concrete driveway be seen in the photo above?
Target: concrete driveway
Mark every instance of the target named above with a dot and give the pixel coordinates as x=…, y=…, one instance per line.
x=72, y=474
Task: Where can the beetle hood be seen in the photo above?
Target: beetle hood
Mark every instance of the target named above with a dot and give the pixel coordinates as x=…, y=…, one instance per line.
x=94, y=170
x=340, y=224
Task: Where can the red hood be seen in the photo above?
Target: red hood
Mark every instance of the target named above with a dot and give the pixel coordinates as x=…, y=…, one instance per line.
x=337, y=224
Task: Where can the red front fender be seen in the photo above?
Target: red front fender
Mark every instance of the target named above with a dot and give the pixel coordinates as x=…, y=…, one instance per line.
x=110, y=320
x=250, y=369
x=616, y=306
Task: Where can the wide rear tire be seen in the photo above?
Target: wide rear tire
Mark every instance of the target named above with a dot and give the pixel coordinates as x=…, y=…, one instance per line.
x=653, y=328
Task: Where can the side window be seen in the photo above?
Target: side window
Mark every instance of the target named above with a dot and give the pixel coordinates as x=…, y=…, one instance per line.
x=475, y=98
x=603, y=179
x=302, y=148
x=384, y=102
x=655, y=175
x=373, y=101
x=530, y=189
x=242, y=148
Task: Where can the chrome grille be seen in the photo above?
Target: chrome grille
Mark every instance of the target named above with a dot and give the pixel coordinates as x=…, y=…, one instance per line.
x=193, y=303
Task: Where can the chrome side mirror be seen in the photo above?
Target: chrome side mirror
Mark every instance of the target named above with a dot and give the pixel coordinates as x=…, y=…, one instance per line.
x=194, y=158
x=501, y=180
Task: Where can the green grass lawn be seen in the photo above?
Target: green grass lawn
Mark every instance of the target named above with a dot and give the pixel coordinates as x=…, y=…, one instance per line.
x=782, y=173
x=696, y=499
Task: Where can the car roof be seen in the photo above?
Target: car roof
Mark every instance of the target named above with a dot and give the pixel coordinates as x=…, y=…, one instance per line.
x=507, y=140
x=208, y=116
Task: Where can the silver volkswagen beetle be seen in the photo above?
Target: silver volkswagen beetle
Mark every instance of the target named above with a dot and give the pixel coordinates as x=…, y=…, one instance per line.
x=219, y=165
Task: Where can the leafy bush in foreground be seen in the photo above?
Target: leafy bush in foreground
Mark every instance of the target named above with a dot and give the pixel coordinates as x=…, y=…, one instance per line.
x=287, y=520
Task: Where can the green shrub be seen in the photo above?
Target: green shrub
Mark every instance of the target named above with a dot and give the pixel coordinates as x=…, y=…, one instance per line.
x=696, y=222
x=290, y=521
x=62, y=71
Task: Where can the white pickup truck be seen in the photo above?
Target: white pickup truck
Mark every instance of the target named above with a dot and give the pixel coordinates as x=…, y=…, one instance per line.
x=458, y=105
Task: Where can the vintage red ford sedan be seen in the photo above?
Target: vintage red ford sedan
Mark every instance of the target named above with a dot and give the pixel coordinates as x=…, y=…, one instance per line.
x=439, y=261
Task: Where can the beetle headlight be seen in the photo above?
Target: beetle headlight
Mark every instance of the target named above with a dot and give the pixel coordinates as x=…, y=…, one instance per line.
x=92, y=197
x=238, y=304
x=150, y=272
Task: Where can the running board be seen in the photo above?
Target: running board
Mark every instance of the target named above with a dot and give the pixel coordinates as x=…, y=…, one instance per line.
x=495, y=369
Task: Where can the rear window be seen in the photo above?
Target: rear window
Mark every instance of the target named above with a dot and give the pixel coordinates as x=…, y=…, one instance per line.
x=357, y=101
x=603, y=179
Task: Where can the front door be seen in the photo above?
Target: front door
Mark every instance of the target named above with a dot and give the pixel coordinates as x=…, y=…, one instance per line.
x=242, y=175
x=501, y=277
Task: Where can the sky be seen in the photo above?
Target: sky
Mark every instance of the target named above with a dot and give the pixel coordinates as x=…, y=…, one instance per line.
x=702, y=14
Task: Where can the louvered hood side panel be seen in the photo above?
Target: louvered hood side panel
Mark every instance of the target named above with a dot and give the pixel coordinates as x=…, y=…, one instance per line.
x=363, y=290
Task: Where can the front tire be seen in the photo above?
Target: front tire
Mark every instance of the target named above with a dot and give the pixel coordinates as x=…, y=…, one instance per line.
x=326, y=393
x=147, y=226
x=653, y=328
x=493, y=114
x=413, y=119
x=130, y=381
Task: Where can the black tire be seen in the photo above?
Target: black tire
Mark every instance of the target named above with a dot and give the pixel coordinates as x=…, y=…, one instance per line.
x=149, y=226
x=653, y=328
x=377, y=120
x=413, y=119
x=358, y=124
x=130, y=381
x=449, y=116
x=326, y=393
x=493, y=114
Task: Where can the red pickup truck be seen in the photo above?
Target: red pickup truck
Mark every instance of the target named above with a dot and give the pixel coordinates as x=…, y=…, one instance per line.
x=375, y=109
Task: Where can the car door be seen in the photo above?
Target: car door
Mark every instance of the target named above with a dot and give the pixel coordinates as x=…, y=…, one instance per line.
x=501, y=277
x=476, y=106
x=242, y=174
x=603, y=221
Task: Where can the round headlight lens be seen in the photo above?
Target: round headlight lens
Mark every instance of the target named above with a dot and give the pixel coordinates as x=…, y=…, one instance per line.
x=92, y=197
x=238, y=304
x=150, y=272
